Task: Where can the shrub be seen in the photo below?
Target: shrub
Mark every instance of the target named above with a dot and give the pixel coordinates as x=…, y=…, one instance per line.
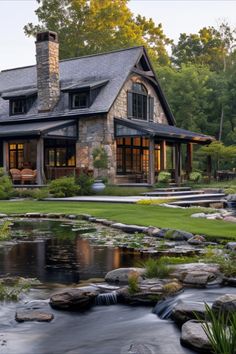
x=64, y=187
x=6, y=188
x=40, y=193
x=195, y=177
x=154, y=201
x=164, y=177
x=85, y=183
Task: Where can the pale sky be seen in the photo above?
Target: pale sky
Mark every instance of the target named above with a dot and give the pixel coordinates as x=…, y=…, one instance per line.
x=176, y=17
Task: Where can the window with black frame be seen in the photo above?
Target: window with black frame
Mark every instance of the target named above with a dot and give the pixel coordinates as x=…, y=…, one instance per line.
x=79, y=100
x=59, y=153
x=140, y=104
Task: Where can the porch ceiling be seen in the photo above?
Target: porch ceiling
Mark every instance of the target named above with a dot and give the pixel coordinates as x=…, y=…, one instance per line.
x=164, y=131
x=32, y=129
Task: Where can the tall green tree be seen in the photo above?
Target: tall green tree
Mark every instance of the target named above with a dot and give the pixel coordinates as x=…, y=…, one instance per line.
x=210, y=46
x=88, y=27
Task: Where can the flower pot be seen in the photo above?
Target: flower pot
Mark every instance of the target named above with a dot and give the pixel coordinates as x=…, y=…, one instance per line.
x=98, y=186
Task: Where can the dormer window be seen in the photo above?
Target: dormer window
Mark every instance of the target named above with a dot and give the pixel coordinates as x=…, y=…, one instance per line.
x=140, y=104
x=18, y=106
x=80, y=100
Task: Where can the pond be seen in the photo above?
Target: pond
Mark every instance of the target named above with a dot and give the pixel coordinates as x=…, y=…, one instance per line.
x=58, y=256
x=52, y=252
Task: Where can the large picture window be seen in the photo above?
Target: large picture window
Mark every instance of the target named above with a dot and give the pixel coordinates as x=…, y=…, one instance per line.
x=140, y=104
x=132, y=155
x=59, y=153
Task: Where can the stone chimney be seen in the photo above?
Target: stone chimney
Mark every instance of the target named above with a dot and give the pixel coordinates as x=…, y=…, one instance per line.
x=47, y=59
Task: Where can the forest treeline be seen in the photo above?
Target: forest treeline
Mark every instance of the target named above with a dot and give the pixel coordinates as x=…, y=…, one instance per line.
x=197, y=73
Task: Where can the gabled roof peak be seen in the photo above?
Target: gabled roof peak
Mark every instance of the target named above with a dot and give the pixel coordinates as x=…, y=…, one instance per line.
x=77, y=58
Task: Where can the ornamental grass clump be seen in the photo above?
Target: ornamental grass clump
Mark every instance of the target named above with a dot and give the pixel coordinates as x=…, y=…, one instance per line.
x=221, y=331
x=156, y=268
x=133, y=285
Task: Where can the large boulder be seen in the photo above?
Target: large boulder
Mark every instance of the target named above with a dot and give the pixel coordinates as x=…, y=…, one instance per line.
x=225, y=304
x=198, y=274
x=193, y=336
x=23, y=316
x=185, y=311
x=79, y=299
x=121, y=275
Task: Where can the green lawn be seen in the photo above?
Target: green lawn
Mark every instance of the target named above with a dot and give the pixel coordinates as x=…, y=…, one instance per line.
x=131, y=214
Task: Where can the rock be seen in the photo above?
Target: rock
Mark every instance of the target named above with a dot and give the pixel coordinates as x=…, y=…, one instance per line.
x=200, y=279
x=231, y=198
x=162, y=232
x=22, y=316
x=185, y=311
x=3, y=216
x=198, y=215
x=216, y=205
x=198, y=274
x=216, y=216
x=74, y=299
x=231, y=246
x=121, y=275
x=85, y=216
x=153, y=231
x=193, y=336
x=230, y=219
x=230, y=281
x=105, y=222
x=55, y=215
x=33, y=215
x=197, y=240
x=178, y=235
x=142, y=297
x=129, y=228
x=225, y=304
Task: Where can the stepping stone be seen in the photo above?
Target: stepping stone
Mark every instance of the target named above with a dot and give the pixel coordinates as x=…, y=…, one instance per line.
x=23, y=316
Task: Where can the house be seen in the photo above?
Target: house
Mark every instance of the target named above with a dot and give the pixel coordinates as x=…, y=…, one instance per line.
x=53, y=115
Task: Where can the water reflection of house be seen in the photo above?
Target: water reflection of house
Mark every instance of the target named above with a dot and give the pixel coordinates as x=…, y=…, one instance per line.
x=53, y=114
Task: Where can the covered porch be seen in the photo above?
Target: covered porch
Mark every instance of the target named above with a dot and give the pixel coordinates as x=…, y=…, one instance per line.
x=35, y=152
x=143, y=149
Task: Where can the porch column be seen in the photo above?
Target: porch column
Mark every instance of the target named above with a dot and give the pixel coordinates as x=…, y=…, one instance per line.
x=5, y=156
x=151, y=161
x=177, y=163
x=163, y=155
x=189, y=159
x=209, y=168
x=40, y=162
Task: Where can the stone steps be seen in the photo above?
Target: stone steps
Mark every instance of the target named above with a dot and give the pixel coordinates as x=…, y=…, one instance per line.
x=172, y=193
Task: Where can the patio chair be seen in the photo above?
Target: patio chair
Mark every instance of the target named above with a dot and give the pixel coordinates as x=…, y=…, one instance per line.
x=28, y=175
x=15, y=175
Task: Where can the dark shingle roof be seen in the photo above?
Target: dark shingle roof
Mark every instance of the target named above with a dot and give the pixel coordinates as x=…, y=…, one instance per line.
x=31, y=129
x=112, y=67
x=164, y=131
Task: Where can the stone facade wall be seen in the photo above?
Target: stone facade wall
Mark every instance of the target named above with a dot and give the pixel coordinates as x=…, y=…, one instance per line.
x=96, y=131
x=119, y=110
x=47, y=56
x=92, y=134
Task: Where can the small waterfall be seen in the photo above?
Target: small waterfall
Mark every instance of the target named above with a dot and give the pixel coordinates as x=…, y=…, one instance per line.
x=107, y=298
x=164, y=308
